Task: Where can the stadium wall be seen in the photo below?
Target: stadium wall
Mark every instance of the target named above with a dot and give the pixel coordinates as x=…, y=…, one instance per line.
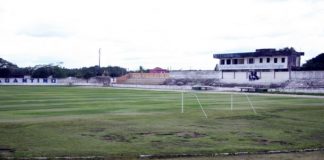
x=265, y=78
x=50, y=81
x=148, y=75
x=29, y=81
x=307, y=74
x=241, y=77
x=301, y=78
x=206, y=74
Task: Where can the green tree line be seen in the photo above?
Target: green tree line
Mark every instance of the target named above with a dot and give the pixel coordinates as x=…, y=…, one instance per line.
x=11, y=70
x=316, y=63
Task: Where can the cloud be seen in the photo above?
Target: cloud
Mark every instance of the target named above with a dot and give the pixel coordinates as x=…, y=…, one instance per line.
x=165, y=33
x=44, y=31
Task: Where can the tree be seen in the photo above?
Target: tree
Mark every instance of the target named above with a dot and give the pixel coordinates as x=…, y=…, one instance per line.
x=115, y=71
x=7, y=64
x=86, y=72
x=8, y=69
x=141, y=69
x=43, y=72
x=5, y=72
x=21, y=72
x=88, y=75
x=216, y=68
x=316, y=63
x=59, y=72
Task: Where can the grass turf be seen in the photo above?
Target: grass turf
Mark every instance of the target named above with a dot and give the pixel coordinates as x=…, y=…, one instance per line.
x=72, y=121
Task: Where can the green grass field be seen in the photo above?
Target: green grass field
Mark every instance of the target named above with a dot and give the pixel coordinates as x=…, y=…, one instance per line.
x=75, y=121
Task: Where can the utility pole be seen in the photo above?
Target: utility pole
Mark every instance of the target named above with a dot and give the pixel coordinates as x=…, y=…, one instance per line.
x=99, y=56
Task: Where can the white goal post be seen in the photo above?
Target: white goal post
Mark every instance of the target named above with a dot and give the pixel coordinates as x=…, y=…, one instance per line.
x=202, y=109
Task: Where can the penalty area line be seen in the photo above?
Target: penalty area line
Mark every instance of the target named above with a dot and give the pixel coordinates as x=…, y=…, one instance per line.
x=201, y=106
x=251, y=105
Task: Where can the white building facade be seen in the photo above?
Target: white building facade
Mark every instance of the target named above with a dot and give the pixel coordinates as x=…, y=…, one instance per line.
x=262, y=59
x=262, y=66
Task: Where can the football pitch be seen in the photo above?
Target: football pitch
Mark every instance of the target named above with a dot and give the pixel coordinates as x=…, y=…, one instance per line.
x=125, y=123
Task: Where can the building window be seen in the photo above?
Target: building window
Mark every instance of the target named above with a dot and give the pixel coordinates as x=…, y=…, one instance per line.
x=222, y=61
x=228, y=61
x=240, y=61
x=261, y=60
x=275, y=60
x=283, y=60
x=234, y=61
x=251, y=60
x=268, y=60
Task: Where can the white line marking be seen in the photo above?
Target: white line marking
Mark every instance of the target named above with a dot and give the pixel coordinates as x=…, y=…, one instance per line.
x=182, y=102
x=250, y=103
x=201, y=106
x=231, y=102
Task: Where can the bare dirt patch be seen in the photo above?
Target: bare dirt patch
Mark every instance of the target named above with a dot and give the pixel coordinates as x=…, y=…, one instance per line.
x=318, y=136
x=281, y=142
x=89, y=135
x=268, y=142
x=190, y=134
x=185, y=134
x=146, y=134
x=317, y=155
x=97, y=130
x=165, y=134
x=115, y=138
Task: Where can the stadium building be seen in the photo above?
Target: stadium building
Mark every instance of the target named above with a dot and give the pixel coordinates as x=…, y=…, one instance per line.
x=262, y=60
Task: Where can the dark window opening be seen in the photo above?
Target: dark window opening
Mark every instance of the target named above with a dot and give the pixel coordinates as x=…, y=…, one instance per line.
x=275, y=60
x=251, y=60
x=234, y=61
x=268, y=60
x=261, y=60
x=283, y=60
x=222, y=61
x=228, y=61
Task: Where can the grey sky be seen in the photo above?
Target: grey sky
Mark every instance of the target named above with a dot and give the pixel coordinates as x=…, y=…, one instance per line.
x=181, y=34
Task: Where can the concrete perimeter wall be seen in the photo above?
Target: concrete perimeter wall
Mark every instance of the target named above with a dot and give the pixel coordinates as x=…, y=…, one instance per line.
x=307, y=75
x=206, y=74
x=148, y=75
x=50, y=81
x=266, y=78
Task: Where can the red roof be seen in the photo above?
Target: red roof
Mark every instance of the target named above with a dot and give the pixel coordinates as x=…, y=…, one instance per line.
x=158, y=70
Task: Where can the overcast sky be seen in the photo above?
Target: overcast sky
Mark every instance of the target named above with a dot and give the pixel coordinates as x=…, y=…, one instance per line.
x=181, y=34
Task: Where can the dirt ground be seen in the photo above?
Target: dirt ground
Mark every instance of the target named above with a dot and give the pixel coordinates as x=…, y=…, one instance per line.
x=318, y=155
